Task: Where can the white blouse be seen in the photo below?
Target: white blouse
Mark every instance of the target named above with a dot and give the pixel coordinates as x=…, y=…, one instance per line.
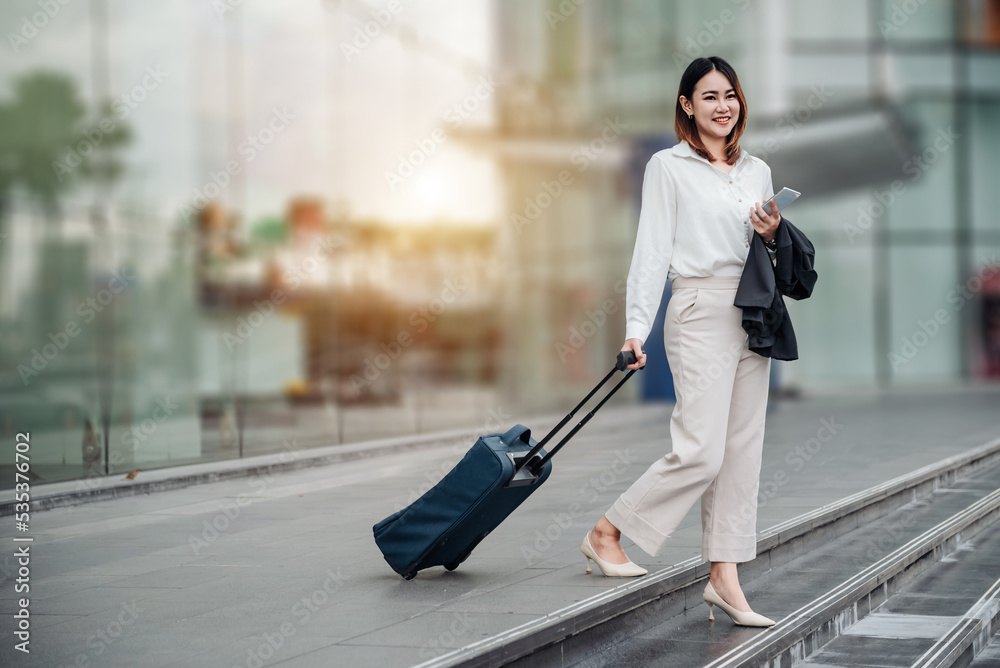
x=693, y=221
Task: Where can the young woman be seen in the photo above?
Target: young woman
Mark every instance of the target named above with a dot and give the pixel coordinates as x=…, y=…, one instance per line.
x=701, y=200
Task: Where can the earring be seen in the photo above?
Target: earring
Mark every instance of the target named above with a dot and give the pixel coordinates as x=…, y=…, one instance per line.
x=690, y=116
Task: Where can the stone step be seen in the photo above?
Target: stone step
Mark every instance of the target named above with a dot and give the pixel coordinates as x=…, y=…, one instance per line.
x=595, y=626
x=989, y=657
x=942, y=618
x=850, y=604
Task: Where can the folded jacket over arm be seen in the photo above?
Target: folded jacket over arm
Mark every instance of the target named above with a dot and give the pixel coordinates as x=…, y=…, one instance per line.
x=763, y=284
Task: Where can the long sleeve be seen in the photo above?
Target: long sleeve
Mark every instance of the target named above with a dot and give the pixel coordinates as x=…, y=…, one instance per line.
x=654, y=246
x=767, y=194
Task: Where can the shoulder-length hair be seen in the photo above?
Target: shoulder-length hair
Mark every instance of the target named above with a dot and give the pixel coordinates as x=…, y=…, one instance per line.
x=687, y=129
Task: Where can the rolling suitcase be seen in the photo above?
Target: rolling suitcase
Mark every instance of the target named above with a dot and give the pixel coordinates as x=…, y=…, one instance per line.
x=495, y=476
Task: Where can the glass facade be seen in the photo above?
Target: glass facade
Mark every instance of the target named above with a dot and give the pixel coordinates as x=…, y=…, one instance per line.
x=891, y=242
x=187, y=273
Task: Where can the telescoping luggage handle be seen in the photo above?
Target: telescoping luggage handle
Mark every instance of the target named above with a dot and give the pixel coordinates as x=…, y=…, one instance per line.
x=531, y=461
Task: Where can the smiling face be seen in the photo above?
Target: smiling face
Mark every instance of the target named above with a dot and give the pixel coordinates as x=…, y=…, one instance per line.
x=714, y=98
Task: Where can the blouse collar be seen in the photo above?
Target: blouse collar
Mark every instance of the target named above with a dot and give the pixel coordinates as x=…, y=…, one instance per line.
x=683, y=148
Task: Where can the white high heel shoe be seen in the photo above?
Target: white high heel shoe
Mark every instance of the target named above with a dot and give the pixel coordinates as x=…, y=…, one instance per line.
x=626, y=570
x=742, y=618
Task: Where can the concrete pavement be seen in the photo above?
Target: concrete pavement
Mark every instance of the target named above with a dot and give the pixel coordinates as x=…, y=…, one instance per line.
x=281, y=569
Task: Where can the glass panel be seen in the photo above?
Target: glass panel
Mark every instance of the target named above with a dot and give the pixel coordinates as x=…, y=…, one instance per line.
x=847, y=76
x=139, y=326
x=983, y=347
x=926, y=198
x=916, y=74
x=835, y=327
x=58, y=312
x=984, y=73
x=985, y=127
x=901, y=20
x=155, y=405
x=838, y=218
x=816, y=19
x=926, y=324
x=638, y=27
x=708, y=28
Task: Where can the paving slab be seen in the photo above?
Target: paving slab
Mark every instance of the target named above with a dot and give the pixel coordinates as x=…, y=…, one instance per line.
x=225, y=566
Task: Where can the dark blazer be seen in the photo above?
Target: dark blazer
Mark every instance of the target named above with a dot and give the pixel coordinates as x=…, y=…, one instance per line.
x=763, y=284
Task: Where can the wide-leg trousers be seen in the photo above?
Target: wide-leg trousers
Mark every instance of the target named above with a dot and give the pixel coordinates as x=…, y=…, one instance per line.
x=716, y=429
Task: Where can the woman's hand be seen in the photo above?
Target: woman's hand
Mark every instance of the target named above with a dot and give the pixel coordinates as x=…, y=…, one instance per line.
x=765, y=224
x=635, y=345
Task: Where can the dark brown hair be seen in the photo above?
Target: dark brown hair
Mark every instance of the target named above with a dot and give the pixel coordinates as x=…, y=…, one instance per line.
x=687, y=129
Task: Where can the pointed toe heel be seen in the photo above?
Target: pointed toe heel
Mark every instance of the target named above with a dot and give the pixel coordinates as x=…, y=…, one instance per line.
x=738, y=616
x=626, y=570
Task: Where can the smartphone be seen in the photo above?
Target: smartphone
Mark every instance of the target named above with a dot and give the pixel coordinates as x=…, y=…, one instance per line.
x=782, y=199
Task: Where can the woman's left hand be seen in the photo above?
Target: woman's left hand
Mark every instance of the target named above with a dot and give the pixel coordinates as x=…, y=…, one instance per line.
x=765, y=224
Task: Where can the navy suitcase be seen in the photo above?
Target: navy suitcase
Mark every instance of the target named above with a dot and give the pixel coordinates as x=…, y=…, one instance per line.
x=495, y=476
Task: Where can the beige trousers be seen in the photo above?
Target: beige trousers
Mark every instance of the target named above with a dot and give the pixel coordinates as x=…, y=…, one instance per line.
x=716, y=428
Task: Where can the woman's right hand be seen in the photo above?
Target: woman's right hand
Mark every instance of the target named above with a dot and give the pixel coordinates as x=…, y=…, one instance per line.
x=635, y=345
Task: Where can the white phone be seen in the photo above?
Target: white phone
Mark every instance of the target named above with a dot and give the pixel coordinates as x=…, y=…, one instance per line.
x=782, y=199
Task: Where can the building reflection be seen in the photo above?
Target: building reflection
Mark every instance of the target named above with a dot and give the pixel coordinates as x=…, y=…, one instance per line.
x=313, y=309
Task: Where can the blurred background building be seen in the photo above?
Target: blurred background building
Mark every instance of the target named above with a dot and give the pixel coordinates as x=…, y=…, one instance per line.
x=231, y=228
x=883, y=113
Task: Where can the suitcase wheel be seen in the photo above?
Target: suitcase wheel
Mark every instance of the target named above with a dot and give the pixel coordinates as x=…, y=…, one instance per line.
x=453, y=565
x=409, y=575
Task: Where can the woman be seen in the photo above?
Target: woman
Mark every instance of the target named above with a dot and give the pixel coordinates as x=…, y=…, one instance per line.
x=699, y=201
